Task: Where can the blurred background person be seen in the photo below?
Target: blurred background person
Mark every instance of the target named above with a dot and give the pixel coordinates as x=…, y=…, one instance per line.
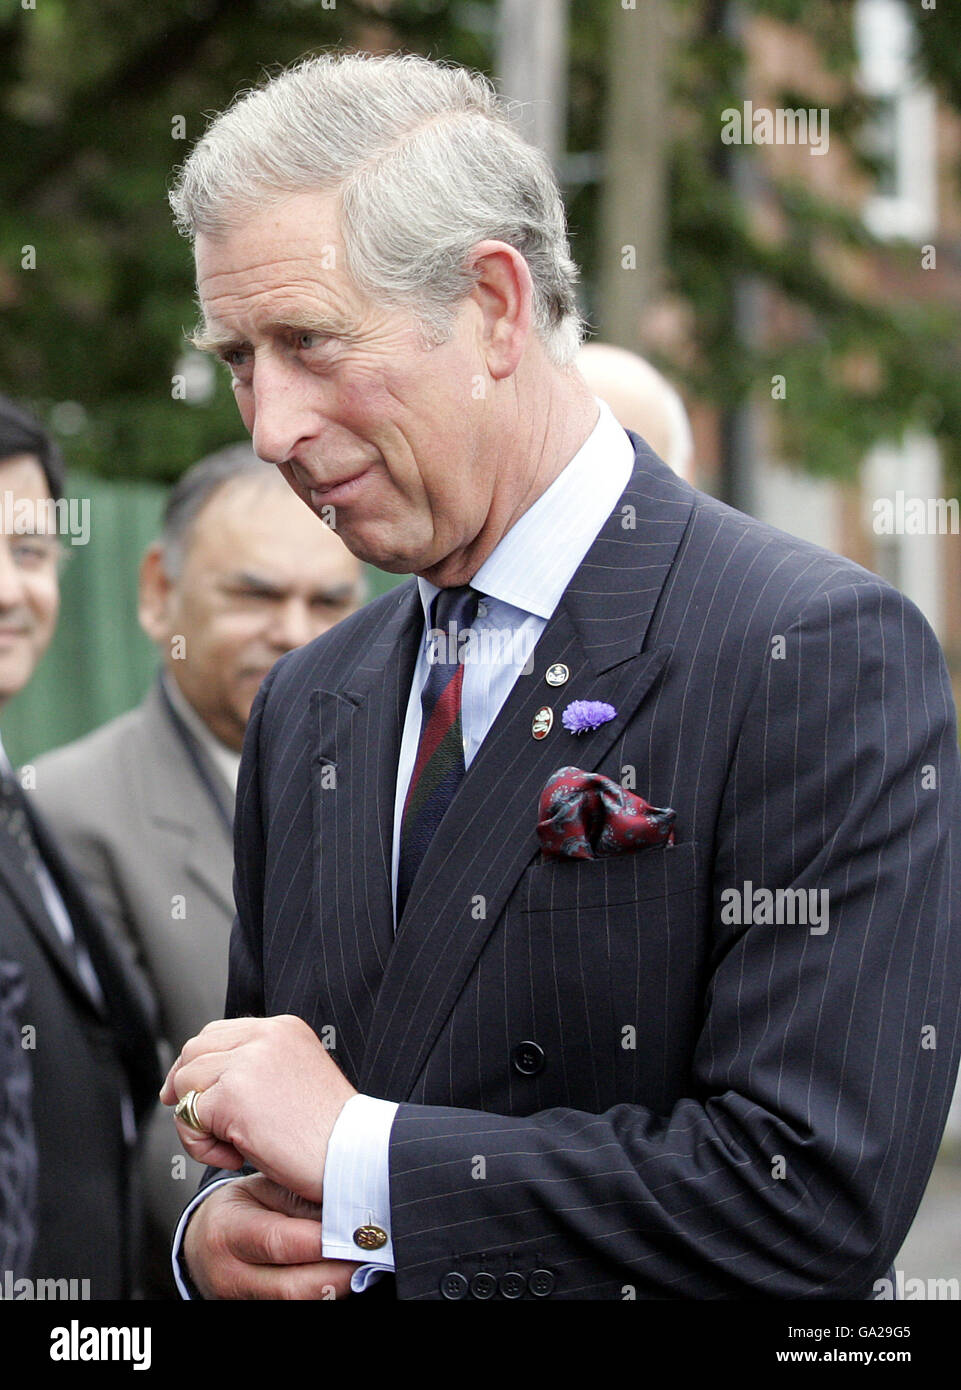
x=643, y=401
x=243, y=572
x=86, y=1024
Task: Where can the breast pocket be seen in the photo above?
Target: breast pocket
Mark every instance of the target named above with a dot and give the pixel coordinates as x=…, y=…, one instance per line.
x=616, y=947
x=571, y=885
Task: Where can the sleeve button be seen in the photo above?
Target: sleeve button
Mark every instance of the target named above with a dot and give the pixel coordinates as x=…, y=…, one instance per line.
x=453, y=1285
x=513, y=1285
x=483, y=1285
x=541, y=1283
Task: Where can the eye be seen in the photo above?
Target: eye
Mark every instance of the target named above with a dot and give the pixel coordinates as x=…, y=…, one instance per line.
x=311, y=342
x=235, y=357
x=239, y=360
x=33, y=554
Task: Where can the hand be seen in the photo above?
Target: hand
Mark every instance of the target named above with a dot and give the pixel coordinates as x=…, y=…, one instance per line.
x=270, y=1096
x=250, y=1239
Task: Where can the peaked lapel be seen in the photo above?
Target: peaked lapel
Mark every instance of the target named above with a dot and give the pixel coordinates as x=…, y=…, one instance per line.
x=488, y=835
x=25, y=889
x=353, y=783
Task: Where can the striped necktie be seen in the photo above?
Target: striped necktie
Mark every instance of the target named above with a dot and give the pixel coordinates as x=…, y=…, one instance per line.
x=439, y=766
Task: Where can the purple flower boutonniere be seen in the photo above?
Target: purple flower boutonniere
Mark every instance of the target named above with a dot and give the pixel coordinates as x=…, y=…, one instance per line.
x=582, y=715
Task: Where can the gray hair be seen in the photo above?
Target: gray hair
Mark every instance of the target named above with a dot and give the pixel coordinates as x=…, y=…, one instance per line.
x=196, y=487
x=427, y=164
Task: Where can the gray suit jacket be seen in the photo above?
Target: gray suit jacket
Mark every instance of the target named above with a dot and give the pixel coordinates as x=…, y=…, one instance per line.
x=132, y=812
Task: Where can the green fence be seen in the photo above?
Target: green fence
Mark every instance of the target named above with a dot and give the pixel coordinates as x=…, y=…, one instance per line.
x=99, y=662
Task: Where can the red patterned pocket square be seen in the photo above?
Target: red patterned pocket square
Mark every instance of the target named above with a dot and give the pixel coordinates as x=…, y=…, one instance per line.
x=582, y=815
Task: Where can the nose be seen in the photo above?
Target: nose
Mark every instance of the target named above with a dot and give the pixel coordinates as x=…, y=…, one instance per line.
x=292, y=626
x=11, y=578
x=283, y=413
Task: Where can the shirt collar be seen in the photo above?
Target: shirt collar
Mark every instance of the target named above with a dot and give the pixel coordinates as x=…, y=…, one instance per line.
x=224, y=759
x=532, y=565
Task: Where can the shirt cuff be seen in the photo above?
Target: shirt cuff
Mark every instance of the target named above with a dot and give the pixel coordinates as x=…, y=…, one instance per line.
x=357, y=1184
x=180, y=1273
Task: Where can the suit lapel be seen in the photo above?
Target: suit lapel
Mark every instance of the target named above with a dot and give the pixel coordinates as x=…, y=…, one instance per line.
x=353, y=781
x=25, y=889
x=201, y=841
x=129, y=1007
x=488, y=836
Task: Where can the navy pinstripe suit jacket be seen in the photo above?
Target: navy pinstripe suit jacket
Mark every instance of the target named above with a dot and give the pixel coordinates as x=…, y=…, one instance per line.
x=725, y=1109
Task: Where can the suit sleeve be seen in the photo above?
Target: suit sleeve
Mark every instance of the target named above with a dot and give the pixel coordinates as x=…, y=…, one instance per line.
x=245, y=983
x=823, y=1071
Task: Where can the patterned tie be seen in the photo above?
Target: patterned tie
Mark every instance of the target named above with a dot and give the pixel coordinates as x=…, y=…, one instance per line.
x=13, y=819
x=439, y=767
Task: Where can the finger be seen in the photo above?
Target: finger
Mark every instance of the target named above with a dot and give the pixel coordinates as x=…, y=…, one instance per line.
x=276, y=1198
x=220, y=1036
x=202, y=1075
x=261, y=1237
x=318, y=1281
x=222, y=1033
x=208, y=1149
x=177, y=1083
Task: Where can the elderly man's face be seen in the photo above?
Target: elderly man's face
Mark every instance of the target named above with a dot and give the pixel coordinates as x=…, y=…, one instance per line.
x=339, y=393
x=260, y=576
x=29, y=591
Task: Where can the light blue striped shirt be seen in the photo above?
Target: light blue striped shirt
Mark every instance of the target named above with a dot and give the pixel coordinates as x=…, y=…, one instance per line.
x=523, y=579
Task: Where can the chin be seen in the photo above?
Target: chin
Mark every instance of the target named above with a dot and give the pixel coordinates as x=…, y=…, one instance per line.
x=14, y=675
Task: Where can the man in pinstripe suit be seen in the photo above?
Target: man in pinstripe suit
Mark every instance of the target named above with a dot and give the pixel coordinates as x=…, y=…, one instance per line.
x=713, y=1068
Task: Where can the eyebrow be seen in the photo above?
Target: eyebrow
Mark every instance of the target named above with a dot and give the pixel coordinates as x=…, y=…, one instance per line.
x=248, y=579
x=208, y=338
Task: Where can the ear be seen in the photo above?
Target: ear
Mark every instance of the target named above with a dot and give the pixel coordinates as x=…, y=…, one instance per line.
x=155, y=595
x=504, y=294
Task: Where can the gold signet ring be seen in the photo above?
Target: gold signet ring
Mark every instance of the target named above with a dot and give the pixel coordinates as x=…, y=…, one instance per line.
x=186, y=1110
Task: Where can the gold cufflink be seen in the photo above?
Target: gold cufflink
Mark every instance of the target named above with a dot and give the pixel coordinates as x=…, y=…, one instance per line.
x=370, y=1237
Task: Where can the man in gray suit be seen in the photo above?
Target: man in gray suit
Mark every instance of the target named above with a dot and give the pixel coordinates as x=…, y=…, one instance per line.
x=243, y=573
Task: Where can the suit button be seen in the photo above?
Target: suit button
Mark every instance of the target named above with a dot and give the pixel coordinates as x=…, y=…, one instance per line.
x=453, y=1285
x=541, y=1283
x=483, y=1285
x=528, y=1058
x=513, y=1285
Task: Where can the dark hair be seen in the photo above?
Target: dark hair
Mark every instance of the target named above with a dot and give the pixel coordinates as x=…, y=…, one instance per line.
x=20, y=433
x=194, y=490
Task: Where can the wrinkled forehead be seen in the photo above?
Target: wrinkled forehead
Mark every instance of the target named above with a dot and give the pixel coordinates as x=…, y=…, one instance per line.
x=287, y=260
x=302, y=228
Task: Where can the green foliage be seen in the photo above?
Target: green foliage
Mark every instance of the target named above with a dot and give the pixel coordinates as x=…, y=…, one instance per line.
x=861, y=363
x=90, y=93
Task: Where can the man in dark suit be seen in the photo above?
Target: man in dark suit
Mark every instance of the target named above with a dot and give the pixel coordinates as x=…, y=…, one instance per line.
x=85, y=1019
x=611, y=948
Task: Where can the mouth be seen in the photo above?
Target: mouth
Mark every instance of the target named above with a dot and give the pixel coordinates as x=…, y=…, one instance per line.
x=332, y=493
